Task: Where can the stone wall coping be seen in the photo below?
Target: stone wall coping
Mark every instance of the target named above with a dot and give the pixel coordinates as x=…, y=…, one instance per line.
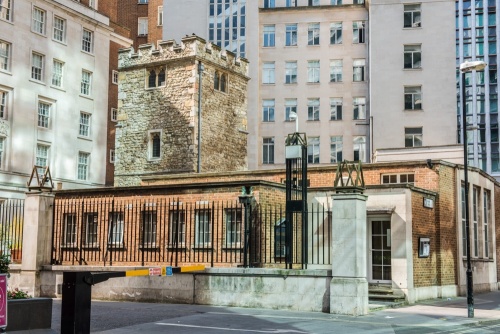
x=284, y=273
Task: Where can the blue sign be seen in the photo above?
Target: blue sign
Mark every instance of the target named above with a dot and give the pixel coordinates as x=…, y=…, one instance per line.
x=168, y=271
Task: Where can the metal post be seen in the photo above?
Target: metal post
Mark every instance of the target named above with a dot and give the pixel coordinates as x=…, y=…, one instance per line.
x=200, y=72
x=470, y=297
x=75, y=309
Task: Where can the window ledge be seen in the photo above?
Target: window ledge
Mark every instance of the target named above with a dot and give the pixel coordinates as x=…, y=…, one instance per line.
x=6, y=72
x=290, y=83
x=39, y=34
x=154, y=159
x=58, y=88
x=88, y=53
x=411, y=69
x=7, y=21
x=39, y=82
x=69, y=247
x=60, y=42
x=202, y=247
x=84, y=138
x=91, y=248
x=313, y=83
x=336, y=82
x=154, y=88
x=149, y=248
x=117, y=246
x=413, y=110
x=88, y=97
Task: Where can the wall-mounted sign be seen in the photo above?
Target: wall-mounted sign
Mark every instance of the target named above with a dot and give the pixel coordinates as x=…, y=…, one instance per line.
x=424, y=247
x=428, y=203
x=3, y=301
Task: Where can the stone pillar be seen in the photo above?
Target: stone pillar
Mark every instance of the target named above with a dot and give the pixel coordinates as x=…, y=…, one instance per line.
x=349, y=286
x=37, y=239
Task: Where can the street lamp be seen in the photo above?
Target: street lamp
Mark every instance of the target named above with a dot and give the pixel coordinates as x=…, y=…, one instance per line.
x=465, y=67
x=294, y=117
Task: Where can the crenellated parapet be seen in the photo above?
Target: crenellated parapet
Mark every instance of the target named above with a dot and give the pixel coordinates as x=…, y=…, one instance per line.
x=190, y=46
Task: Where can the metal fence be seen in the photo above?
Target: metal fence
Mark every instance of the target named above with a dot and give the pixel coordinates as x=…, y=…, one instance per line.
x=149, y=231
x=11, y=229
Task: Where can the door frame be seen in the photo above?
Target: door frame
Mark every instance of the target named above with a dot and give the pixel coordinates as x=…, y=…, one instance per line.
x=369, y=220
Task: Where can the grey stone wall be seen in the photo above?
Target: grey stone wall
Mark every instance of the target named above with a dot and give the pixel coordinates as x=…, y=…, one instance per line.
x=173, y=110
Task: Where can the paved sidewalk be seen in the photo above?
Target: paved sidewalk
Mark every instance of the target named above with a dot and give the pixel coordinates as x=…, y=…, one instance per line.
x=433, y=316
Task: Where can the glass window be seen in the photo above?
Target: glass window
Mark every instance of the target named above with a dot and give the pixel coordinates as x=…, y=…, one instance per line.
x=116, y=228
x=38, y=20
x=486, y=222
x=359, y=108
x=291, y=72
x=313, y=150
x=142, y=26
x=83, y=165
x=268, y=110
x=42, y=155
x=85, y=87
x=413, y=137
x=336, y=70
x=412, y=16
x=290, y=107
x=335, y=2
x=4, y=100
x=269, y=4
x=313, y=71
x=70, y=228
x=358, y=70
x=177, y=222
x=313, y=109
x=359, y=147
x=269, y=35
x=291, y=35
x=203, y=233
x=268, y=150
x=57, y=73
x=37, y=62
x=268, y=72
x=413, y=98
x=335, y=149
x=313, y=34
x=336, y=33
x=91, y=229
x=59, y=29
x=154, y=145
x=335, y=108
x=412, y=56
x=88, y=41
x=5, y=10
x=233, y=226
x=148, y=229
x=4, y=55
x=84, y=125
x=160, y=16
x=358, y=32
x=43, y=114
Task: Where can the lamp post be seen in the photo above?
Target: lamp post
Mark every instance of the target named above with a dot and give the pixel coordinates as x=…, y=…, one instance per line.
x=294, y=117
x=465, y=67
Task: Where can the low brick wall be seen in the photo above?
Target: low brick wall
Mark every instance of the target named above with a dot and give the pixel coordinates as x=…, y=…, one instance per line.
x=299, y=290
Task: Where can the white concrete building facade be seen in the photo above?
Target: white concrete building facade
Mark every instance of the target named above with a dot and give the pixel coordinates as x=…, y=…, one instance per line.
x=412, y=74
x=54, y=73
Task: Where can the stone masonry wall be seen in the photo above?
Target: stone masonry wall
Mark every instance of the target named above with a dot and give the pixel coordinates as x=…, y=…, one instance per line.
x=172, y=109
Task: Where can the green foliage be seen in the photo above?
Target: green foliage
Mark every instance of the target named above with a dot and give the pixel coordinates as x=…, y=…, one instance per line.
x=4, y=264
x=17, y=294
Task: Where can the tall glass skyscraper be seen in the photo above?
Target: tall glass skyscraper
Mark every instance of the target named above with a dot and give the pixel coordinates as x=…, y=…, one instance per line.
x=476, y=39
x=226, y=24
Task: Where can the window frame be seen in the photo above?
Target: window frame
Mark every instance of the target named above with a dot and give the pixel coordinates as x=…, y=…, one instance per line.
x=37, y=70
x=290, y=106
x=39, y=24
x=86, y=83
x=313, y=71
x=85, y=124
x=5, y=64
x=59, y=30
x=269, y=36
x=177, y=227
x=45, y=149
x=44, y=115
x=336, y=148
x=359, y=70
x=142, y=26
x=268, y=110
x=359, y=108
x=5, y=96
x=411, y=95
x=313, y=150
x=291, y=72
x=91, y=239
x=313, y=33
x=6, y=11
x=486, y=225
x=291, y=34
x=268, y=73
x=70, y=225
x=87, y=41
x=313, y=109
x=155, y=153
x=116, y=229
x=83, y=166
x=114, y=114
x=114, y=77
x=234, y=223
x=359, y=32
x=336, y=106
x=336, y=71
x=2, y=152
x=359, y=146
x=159, y=19
x=336, y=33
x=203, y=223
x=112, y=156
x=57, y=74
x=268, y=144
x=410, y=55
x=412, y=134
x=149, y=229
x=412, y=15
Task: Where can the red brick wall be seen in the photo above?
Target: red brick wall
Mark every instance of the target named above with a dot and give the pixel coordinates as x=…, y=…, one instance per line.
x=425, y=271
x=154, y=30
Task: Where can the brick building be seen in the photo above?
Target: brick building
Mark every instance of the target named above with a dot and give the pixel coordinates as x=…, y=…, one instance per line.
x=415, y=224
x=162, y=105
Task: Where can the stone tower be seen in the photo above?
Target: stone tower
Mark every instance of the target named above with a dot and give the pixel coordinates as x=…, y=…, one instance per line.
x=159, y=100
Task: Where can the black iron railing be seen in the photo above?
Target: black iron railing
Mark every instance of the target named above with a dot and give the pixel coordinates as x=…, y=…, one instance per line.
x=149, y=231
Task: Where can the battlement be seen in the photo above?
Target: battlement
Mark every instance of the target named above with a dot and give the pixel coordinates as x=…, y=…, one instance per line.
x=190, y=46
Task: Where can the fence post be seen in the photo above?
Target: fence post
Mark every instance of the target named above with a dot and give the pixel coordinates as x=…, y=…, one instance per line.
x=37, y=239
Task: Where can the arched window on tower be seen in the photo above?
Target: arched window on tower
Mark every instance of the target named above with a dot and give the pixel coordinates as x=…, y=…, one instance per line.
x=161, y=78
x=152, y=79
x=216, y=80
x=223, y=81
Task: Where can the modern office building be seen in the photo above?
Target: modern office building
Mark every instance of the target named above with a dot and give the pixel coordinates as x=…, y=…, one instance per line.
x=477, y=29
x=54, y=74
x=412, y=74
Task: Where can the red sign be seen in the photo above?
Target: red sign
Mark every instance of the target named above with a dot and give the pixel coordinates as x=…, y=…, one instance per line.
x=156, y=271
x=3, y=300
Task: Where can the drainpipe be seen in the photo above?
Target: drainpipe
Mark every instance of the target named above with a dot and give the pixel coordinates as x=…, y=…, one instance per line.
x=200, y=72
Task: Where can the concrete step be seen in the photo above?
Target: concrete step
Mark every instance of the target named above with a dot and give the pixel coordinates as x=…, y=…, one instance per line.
x=375, y=305
x=388, y=297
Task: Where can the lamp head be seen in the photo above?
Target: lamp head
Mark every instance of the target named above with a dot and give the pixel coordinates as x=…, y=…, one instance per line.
x=468, y=66
x=292, y=116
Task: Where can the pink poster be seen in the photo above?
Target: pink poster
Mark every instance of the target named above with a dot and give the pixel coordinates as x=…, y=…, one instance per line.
x=3, y=300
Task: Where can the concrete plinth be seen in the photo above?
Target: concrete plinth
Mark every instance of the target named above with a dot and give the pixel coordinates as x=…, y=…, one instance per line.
x=349, y=296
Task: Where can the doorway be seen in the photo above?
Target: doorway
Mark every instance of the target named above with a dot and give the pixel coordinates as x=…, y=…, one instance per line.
x=380, y=270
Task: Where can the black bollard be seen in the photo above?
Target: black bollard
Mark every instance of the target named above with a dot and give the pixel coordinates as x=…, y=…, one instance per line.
x=76, y=303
